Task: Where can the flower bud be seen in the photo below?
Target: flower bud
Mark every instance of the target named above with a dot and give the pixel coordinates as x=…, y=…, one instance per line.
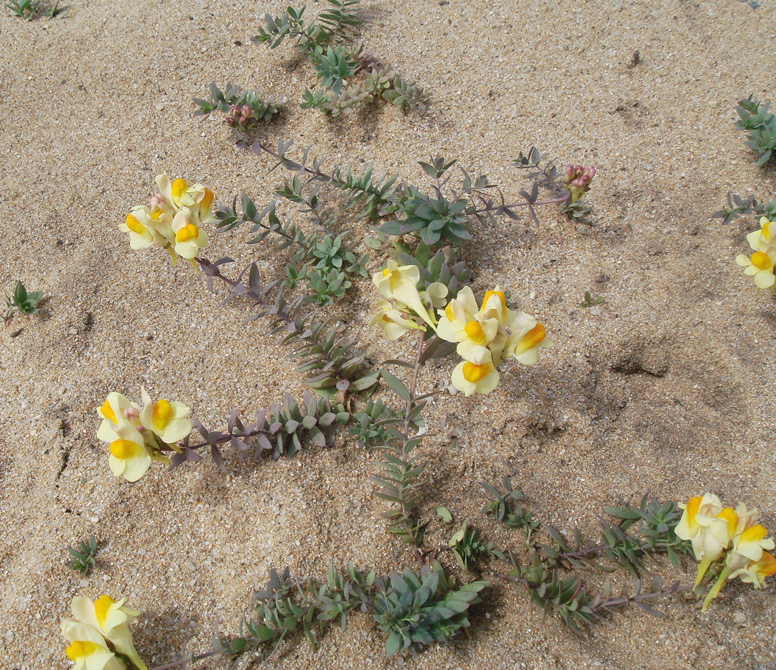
x=158, y=201
x=577, y=180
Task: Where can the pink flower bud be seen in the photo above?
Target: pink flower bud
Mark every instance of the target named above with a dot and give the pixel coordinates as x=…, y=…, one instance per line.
x=246, y=111
x=158, y=202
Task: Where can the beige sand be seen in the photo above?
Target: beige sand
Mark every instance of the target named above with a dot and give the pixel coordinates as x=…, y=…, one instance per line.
x=94, y=104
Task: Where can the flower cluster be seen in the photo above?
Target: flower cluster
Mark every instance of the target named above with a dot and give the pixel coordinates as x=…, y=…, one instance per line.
x=136, y=436
x=174, y=219
x=486, y=336
x=577, y=180
x=100, y=631
x=761, y=263
x=727, y=539
x=400, y=284
x=240, y=116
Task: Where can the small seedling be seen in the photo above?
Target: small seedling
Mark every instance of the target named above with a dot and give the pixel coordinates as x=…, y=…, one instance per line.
x=755, y=118
x=22, y=301
x=27, y=9
x=589, y=301
x=83, y=560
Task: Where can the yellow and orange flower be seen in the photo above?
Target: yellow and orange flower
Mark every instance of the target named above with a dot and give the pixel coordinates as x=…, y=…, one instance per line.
x=476, y=375
x=96, y=625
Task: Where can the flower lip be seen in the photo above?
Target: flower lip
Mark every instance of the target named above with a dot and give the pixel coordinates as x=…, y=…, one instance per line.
x=761, y=261
x=124, y=449
x=474, y=373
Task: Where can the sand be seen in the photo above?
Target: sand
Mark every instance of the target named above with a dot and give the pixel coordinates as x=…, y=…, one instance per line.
x=96, y=102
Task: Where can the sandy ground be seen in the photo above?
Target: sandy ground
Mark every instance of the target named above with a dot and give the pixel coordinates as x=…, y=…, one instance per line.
x=96, y=103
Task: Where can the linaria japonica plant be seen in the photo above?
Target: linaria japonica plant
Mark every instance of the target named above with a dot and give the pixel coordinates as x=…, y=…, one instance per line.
x=761, y=264
x=325, y=42
x=30, y=9
x=244, y=109
x=419, y=610
x=82, y=559
x=22, y=301
x=755, y=118
x=655, y=524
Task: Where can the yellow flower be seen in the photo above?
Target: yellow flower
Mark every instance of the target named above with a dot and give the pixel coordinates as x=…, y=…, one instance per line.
x=189, y=237
x=708, y=505
x=747, y=551
x=716, y=534
x=117, y=411
x=112, y=620
x=748, y=546
x=459, y=311
x=435, y=296
x=494, y=306
x=462, y=322
x=760, y=240
x=760, y=266
x=393, y=321
x=755, y=572
x=88, y=648
x=526, y=339
x=401, y=284
x=129, y=456
x=476, y=375
x=141, y=228
x=198, y=200
x=165, y=419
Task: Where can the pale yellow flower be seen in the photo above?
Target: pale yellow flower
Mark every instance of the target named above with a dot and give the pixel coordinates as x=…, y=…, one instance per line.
x=494, y=306
x=760, y=240
x=117, y=411
x=129, y=456
x=748, y=546
x=476, y=375
x=141, y=228
x=747, y=552
x=435, y=296
x=189, y=237
x=716, y=534
x=527, y=338
x=462, y=322
x=88, y=648
x=708, y=505
x=755, y=572
x=458, y=312
x=393, y=321
x=401, y=285
x=478, y=333
x=760, y=266
x=178, y=196
x=166, y=419
x=112, y=620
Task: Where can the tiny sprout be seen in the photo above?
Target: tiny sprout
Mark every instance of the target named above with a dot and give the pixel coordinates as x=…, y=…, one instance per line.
x=27, y=9
x=22, y=301
x=83, y=560
x=589, y=301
